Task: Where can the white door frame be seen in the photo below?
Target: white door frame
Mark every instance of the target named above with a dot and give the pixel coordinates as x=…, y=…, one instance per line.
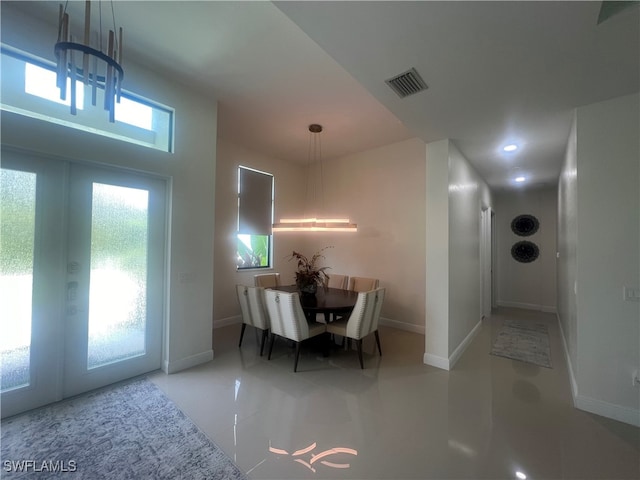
x=50, y=331
x=78, y=378
x=485, y=262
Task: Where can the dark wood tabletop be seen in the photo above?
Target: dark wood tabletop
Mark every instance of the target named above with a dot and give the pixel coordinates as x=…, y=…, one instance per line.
x=326, y=300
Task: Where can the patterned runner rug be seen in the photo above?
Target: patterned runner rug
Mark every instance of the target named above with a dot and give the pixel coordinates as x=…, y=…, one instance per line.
x=527, y=342
x=129, y=431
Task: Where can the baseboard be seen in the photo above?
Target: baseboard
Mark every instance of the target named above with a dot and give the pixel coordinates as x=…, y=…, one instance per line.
x=457, y=353
x=609, y=410
x=436, y=361
x=572, y=377
x=224, y=322
x=529, y=306
x=188, y=362
x=448, y=363
x=409, y=327
x=592, y=405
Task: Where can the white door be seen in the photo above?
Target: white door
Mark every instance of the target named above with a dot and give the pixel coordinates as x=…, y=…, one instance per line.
x=82, y=278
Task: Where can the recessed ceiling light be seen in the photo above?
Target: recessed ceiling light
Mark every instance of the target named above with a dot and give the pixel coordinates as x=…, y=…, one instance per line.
x=520, y=179
x=521, y=476
x=510, y=148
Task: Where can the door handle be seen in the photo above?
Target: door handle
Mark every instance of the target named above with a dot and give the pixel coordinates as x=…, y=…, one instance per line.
x=72, y=291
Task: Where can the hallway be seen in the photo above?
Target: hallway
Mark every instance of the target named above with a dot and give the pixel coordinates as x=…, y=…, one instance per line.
x=489, y=417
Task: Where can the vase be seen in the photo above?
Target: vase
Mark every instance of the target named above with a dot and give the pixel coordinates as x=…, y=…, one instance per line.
x=308, y=288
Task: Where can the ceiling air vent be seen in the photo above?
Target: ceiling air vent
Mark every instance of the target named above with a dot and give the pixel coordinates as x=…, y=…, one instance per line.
x=407, y=83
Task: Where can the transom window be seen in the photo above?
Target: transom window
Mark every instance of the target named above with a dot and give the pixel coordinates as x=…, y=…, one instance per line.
x=29, y=88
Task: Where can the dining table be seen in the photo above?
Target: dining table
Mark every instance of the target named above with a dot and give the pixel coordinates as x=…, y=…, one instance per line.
x=331, y=302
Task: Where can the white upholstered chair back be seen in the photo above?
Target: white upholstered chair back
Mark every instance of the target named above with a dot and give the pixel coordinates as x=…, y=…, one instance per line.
x=366, y=314
x=252, y=306
x=267, y=280
x=363, y=284
x=338, y=281
x=286, y=315
x=363, y=320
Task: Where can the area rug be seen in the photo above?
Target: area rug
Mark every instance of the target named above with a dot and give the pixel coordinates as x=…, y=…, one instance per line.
x=527, y=342
x=129, y=431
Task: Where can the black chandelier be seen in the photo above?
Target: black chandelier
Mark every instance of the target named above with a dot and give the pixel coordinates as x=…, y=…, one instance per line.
x=89, y=61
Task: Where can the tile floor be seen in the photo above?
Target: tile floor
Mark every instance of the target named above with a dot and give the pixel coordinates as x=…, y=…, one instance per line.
x=488, y=418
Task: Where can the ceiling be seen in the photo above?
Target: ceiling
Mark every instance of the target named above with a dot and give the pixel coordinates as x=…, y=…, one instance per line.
x=498, y=72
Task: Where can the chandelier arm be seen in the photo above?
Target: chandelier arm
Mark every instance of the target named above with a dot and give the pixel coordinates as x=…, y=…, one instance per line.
x=87, y=41
x=100, y=17
x=113, y=16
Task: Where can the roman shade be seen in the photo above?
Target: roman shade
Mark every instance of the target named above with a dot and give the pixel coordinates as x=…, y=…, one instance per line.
x=254, y=202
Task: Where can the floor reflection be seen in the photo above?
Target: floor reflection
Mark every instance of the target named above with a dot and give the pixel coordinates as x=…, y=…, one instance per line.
x=488, y=418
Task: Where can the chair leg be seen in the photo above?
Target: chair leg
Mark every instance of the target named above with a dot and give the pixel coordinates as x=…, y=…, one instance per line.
x=295, y=365
x=273, y=339
x=264, y=338
x=244, y=325
x=378, y=342
x=359, y=345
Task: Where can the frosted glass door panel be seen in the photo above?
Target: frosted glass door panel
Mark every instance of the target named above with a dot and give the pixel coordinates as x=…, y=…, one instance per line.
x=31, y=281
x=17, y=239
x=118, y=277
x=114, y=281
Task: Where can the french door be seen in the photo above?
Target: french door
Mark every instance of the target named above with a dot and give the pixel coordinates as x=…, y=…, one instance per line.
x=81, y=278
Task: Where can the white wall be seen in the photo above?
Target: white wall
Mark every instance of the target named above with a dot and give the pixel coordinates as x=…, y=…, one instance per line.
x=456, y=194
x=599, y=245
x=527, y=285
x=468, y=194
x=608, y=333
x=567, y=249
x=191, y=168
x=437, y=255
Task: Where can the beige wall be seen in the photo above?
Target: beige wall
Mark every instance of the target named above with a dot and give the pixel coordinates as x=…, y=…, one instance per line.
x=527, y=285
x=381, y=189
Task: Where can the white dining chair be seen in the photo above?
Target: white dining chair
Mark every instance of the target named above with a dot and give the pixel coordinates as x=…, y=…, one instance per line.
x=338, y=281
x=254, y=313
x=267, y=280
x=363, y=284
x=363, y=320
x=287, y=320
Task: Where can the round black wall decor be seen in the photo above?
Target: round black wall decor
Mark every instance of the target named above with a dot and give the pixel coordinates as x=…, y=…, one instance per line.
x=525, y=225
x=524, y=251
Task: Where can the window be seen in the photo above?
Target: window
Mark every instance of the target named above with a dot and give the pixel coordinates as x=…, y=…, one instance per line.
x=29, y=88
x=255, y=217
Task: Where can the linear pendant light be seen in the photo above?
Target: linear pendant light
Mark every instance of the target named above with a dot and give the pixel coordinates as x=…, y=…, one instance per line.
x=314, y=224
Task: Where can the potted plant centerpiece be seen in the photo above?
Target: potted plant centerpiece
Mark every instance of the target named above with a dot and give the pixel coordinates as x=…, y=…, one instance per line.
x=309, y=275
